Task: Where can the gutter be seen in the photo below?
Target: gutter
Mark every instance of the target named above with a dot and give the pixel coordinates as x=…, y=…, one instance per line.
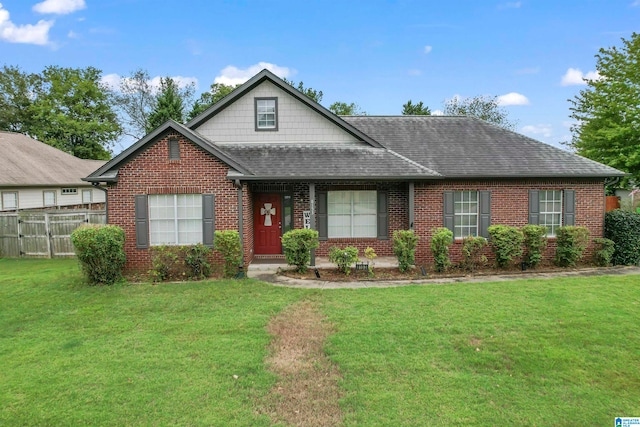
x=106, y=200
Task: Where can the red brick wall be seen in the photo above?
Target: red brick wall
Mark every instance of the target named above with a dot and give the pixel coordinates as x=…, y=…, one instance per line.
x=509, y=206
x=151, y=172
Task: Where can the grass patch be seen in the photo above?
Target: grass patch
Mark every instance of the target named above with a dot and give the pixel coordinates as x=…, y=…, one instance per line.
x=537, y=352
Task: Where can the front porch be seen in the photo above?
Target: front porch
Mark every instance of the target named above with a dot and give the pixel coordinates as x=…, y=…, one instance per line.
x=274, y=262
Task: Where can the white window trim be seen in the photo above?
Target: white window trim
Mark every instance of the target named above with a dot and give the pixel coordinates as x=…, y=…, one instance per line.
x=44, y=197
x=257, y=101
x=176, y=221
x=2, y=203
x=69, y=191
x=374, y=230
x=542, y=214
x=85, y=191
x=465, y=214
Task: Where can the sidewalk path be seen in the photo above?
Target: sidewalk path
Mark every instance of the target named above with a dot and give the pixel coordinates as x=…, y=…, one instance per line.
x=279, y=280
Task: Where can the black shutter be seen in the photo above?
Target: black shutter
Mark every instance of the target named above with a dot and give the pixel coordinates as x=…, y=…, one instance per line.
x=142, y=221
x=174, y=149
x=534, y=207
x=485, y=213
x=449, y=210
x=323, y=218
x=208, y=219
x=569, y=207
x=383, y=215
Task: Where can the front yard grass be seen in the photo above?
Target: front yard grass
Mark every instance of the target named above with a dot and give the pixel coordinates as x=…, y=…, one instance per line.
x=530, y=352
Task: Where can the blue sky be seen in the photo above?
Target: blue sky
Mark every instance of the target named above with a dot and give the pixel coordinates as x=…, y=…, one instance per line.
x=378, y=54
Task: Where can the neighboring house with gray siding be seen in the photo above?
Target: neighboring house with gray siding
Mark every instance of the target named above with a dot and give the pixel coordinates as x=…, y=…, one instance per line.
x=34, y=175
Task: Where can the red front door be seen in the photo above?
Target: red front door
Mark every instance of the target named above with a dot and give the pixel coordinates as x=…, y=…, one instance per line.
x=267, y=223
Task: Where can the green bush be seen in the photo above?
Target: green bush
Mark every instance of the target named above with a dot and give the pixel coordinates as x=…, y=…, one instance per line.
x=571, y=241
x=297, y=245
x=623, y=228
x=404, y=248
x=506, y=243
x=604, y=251
x=100, y=251
x=472, y=252
x=441, y=239
x=227, y=242
x=343, y=258
x=188, y=262
x=535, y=242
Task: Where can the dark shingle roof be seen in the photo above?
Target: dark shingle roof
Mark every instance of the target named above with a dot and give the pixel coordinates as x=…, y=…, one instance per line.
x=466, y=147
x=299, y=161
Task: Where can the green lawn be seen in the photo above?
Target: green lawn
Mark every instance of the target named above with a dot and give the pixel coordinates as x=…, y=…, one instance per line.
x=555, y=352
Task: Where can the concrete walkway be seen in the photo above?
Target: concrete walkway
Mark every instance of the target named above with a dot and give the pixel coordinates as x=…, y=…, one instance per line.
x=269, y=273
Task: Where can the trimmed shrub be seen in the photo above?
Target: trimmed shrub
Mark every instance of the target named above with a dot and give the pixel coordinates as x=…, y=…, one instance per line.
x=535, y=242
x=227, y=242
x=100, y=251
x=506, y=243
x=441, y=239
x=343, y=258
x=571, y=241
x=623, y=228
x=472, y=252
x=404, y=248
x=184, y=262
x=297, y=245
x=604, y=251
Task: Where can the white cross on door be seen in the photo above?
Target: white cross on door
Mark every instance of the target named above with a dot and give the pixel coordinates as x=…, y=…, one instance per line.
x=267, y=211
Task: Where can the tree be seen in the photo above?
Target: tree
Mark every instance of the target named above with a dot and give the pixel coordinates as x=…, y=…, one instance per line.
x=135, y=100
x=418, y=109
x=169, y=104
x=482, y=107
x=216, y=92
x=68, y=108
x=344, y=109
x=608, y=110
x=316, y=95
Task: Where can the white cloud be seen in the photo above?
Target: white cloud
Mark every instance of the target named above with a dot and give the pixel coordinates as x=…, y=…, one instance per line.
x=73, y=35
x=512, y=98
x=232, y=76
x=428, y=49
x=542, y=129
x=113, y=81
x=635, y=3
x=59, y=7
x=28, y=33
x=414, y=72
x=510, y=5
x=437, y=113
x=574, y=76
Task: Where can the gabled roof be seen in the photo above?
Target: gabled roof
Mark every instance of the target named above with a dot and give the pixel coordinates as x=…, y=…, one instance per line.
x=109, y=171
x=28, y=162
x=467, y=147
x=266, y=75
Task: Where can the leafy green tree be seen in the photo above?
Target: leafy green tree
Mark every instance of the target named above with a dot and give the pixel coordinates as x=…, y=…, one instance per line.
x=16, y=88
x=410, y=109
x=316, y=95
x=169, y=104
x=344, y=109
x=216, y=92
x=482, y=107
x=608, y=110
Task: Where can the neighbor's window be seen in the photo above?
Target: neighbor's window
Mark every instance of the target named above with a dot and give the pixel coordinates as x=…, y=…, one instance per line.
x=465, y=214
x=266, y=113
x=49, y=198
x=67, y=191
x=550, y=210
x=175, y=219
x=9, y=200
x=86, y=196
x=352, y=214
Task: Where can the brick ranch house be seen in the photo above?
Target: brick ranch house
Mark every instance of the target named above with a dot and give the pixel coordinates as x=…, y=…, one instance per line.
x=267, y=159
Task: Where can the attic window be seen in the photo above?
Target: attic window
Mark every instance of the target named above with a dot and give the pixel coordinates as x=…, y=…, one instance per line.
x=266, y=113
x=68, y=191
x=174, y=149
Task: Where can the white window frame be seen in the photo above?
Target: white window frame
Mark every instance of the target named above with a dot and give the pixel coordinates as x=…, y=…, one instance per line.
x=351, y=218
x=69, y=191
x=168, y=224
x=44, y=197
x=84, y=199
x=546, y=215
x=466, y=210
x=266, y=114
x=4, y=200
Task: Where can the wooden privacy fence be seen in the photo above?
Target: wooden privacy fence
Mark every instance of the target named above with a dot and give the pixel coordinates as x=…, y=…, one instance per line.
x=42, y=234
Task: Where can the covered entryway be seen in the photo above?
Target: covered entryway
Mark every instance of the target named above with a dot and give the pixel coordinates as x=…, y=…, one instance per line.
x=267, y=223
